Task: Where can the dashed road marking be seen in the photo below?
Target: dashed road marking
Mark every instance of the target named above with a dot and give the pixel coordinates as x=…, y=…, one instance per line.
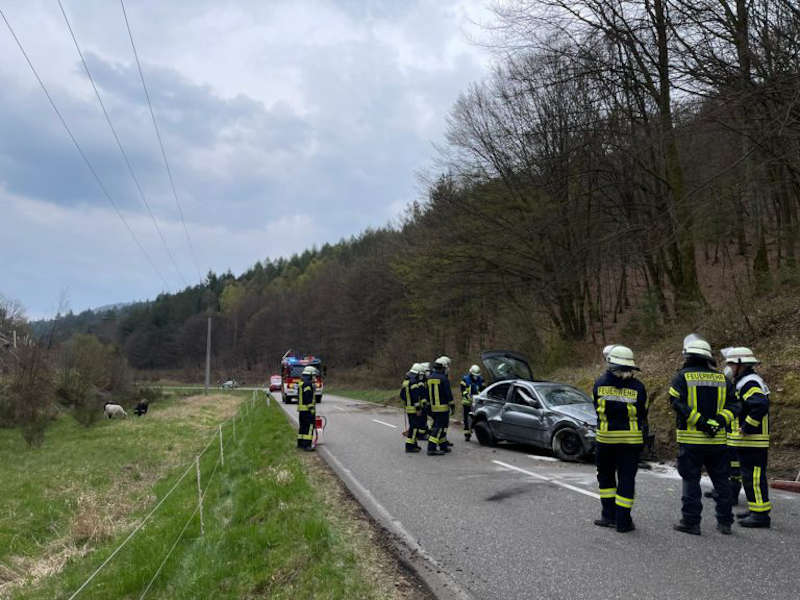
x=385, y=423
x=548, y=479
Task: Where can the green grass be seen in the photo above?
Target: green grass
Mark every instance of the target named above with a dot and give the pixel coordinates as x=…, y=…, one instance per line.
x=267, y=534
x=377, y=395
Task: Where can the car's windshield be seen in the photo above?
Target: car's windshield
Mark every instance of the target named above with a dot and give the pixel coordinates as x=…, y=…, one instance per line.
x=296, y=371
x=561, y=395
x=507, y=367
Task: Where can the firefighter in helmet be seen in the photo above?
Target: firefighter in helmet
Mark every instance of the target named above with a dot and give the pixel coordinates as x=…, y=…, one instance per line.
x=705, y=403
x=471, y=385
x=750, y=434
x=306, y=409
x=441, y=405
x=620, y=400
x=412, y=395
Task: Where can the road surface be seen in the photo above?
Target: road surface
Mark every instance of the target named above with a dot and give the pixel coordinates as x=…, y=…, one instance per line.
x=507, y=523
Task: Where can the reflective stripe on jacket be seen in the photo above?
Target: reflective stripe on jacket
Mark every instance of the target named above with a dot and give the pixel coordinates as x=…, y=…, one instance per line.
x=470, y=386
x=621, y=406
x=698, y=392
x=306, y=395
x=440, y=396
x=753, y=393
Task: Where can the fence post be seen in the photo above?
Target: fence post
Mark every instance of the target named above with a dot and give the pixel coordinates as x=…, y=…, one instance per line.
x=199, y=495
x=234, y=429
x=221, y=450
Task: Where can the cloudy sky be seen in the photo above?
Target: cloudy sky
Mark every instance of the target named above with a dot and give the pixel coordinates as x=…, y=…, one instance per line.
x=286, y=123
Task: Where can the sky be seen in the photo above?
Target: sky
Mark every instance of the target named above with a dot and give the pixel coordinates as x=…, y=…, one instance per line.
x=286, y=124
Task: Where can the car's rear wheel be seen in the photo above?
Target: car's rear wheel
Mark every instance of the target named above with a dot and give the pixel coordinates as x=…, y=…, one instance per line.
x=567, y=444
x=484, y=434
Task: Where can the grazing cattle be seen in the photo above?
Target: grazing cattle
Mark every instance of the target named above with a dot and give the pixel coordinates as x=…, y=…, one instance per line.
x=112, y=410
x=141, y=408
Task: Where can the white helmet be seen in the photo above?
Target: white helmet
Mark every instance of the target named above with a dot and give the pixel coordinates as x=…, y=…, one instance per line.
x=309, y=370
x=416, y=368
x=621, y=356
x=739, y=356
x=608, y=349
x=426, y=367
x=695, y=345
x=475, y=370
x=443, y=361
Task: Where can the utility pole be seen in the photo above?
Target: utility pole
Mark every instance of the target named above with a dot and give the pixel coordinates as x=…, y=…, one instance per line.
x=208, y=355
x=15, y=339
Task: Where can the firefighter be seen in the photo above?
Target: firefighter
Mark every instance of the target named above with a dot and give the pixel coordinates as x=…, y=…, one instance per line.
x=411, y=395
x=306, y=409
x=441, y=405
x=471, y=385
x=620, y=400
x=735, y=475
x=705, y=403
x=750, y=435
x=422, y=388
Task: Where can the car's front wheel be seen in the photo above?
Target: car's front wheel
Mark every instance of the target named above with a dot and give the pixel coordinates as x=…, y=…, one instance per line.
x=484, y=434
x=567, y=444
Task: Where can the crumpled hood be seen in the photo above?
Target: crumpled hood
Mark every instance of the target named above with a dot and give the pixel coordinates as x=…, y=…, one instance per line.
x=582, y=412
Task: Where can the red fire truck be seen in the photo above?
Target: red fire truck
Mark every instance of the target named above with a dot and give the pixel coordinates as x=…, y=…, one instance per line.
x=292, y=365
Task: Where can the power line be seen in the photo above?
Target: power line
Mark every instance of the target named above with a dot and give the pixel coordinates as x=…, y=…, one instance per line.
x=160, y=141
x=80, y=150
x=119, y=145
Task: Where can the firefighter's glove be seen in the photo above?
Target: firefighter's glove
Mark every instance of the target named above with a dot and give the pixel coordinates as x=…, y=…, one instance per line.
x=709, y=426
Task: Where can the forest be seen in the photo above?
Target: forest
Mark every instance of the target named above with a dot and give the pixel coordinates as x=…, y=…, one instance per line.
x=629, y=168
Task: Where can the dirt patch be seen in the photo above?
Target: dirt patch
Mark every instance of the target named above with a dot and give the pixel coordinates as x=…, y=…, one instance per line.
x=394, y=580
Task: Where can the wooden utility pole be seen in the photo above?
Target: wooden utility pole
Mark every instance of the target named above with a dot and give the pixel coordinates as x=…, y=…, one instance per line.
x=208, y=356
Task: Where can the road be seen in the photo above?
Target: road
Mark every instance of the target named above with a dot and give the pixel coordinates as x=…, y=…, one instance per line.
x=506, y=523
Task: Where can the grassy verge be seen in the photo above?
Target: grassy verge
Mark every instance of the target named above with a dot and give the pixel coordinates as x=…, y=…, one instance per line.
x=376, y=395
x=268, y=531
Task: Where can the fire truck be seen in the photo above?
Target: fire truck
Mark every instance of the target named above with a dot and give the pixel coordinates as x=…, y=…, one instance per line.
x=292, y=365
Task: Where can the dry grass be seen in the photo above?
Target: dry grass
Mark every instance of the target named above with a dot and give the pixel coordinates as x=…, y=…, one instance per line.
x=96, y=513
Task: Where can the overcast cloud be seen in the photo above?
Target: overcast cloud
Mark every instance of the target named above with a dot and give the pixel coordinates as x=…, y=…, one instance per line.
x=287, y=124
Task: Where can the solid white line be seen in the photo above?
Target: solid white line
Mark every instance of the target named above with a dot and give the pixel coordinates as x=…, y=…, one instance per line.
x=385, y=423
x=548, y=479
x=547, y=458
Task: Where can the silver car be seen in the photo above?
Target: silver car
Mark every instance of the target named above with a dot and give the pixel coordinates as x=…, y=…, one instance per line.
x=517, y=408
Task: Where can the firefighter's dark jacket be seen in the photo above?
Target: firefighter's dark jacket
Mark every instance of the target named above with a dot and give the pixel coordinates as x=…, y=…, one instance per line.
x=413, y=393
x=470, y=386
x=621, y=406
x=753, y=394
x=699, y=394
x=306, y=400
x=440, y=396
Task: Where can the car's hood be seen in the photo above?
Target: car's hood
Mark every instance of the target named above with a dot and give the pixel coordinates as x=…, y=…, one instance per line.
x=582, y=412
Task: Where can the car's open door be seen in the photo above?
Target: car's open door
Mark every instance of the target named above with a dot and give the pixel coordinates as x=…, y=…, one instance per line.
x=506, y=364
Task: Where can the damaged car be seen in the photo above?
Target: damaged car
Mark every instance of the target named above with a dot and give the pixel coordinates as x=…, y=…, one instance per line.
x=515, y=407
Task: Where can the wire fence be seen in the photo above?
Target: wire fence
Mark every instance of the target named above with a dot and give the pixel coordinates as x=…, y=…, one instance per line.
x=242, y=415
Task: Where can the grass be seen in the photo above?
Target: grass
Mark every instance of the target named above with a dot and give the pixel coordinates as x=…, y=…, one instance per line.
x=268, y=532
x=376, y=395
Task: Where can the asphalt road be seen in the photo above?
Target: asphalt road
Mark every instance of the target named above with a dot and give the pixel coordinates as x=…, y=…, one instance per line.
x=509, y=523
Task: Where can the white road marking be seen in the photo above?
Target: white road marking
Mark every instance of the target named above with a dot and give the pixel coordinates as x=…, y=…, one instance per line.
x=339, y=408
x=385, y=423
x=547, y=458
x=548, y=479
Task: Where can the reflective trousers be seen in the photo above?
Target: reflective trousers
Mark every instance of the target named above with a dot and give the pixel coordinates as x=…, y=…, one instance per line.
x=754, y=481
x=467, y=418
x=735, y=474
x=715, y=458
x=417, y=426
x=437, y=438
x=305, y=433
x=616, y=475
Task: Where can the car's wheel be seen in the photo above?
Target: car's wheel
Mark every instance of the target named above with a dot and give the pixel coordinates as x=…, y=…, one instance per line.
x=567, y=444
x=484, y=434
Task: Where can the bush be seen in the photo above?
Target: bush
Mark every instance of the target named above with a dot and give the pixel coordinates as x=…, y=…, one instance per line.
x=30, y=394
